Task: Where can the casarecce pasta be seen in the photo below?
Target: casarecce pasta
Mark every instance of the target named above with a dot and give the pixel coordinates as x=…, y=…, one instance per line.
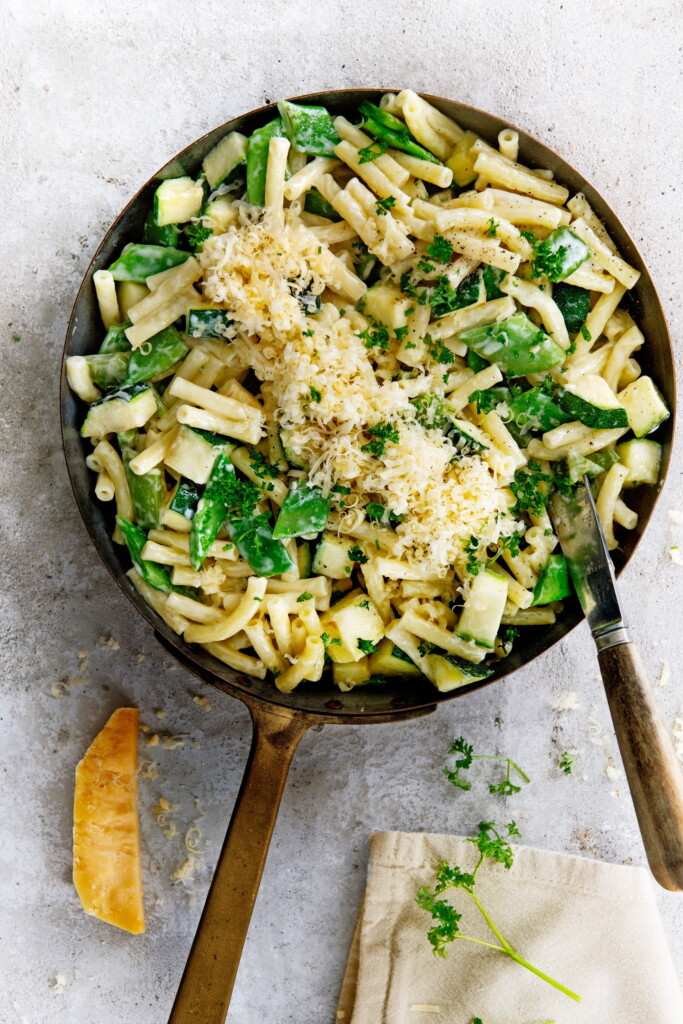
x=344, y=369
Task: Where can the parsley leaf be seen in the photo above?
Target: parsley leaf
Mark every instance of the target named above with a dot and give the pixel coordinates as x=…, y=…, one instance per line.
x=567, y=761
x=196, y=234
x=440, y=249
x=384, y=205
x=366, y=646
x=304, y=596
x=492, y=843
x=401, y=332
x=485, y=401
x=356, y=554
x=261, y=466
x=473, y=564
x=314, y=393
x=375, y=333
x=383, y=432
x=492, y=228
x=465, y=756
x=329, y=641
x=439, y=352
x=371, y=152
x=528, y=489
x=585, y=333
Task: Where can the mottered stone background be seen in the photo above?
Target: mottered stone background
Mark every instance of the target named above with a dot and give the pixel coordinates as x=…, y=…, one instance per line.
x=95, y=97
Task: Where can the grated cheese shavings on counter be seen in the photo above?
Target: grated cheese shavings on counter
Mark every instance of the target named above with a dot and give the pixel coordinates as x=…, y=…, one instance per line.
x=327, y=390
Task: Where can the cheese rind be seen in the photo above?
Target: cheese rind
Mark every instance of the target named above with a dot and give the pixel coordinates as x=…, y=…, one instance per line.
x=107, y=870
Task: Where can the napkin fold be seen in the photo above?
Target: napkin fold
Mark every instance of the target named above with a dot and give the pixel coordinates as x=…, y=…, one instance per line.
x=592, y=926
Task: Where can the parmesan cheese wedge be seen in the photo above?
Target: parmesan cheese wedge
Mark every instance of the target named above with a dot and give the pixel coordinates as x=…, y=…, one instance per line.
x=107, y=871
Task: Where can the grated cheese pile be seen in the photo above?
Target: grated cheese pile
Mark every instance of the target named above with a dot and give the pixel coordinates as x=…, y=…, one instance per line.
x=326, y=388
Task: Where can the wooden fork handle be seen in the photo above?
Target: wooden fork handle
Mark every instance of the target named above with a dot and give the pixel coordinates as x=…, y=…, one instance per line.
x=655, y=776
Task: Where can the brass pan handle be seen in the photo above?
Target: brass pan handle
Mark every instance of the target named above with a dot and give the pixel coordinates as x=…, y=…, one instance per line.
x=211, y=968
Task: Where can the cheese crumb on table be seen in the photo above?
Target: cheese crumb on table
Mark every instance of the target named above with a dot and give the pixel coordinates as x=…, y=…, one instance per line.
x=567, y=701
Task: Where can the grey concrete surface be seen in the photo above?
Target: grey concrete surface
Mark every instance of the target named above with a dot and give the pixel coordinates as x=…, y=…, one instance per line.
x=95, y=97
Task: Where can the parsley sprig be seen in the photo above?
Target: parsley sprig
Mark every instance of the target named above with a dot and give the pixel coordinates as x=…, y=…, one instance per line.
x=384, y=205
x=440, y=249
x=382, y=433
x=196, y=234
x=371, y=152
x=375, y=334
x=464, y=755
x=492, y=844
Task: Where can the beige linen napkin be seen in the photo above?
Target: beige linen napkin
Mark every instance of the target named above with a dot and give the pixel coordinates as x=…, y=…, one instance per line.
x=592, y=926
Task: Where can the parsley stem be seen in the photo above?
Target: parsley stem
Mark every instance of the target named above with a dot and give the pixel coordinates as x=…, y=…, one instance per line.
x=508, y=761
x=544, y=977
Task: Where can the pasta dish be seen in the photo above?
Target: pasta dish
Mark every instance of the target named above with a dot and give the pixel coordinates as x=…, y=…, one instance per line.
x=343, y=371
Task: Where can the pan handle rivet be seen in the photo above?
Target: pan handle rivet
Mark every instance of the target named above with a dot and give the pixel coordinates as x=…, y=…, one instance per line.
x=334, y=704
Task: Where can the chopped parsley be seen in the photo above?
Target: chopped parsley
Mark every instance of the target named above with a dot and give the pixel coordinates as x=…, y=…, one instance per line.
x=384, y=205
x=407, y=285
x=373, y=510
x=382, y=433
x=366, y=646
x=314, y=393
x=196, y=234
x=329, y=641
x=363, y=604
x=473, y=565
x=567, y=761
x=371, y=152
x=425, y=267
x=425, y=647
x=375, y=334
x=492, y=228
x=305, y=596
x=440, y=249
x=585, y=333
x=308, y=334
x=485, y=401
x=356, y=554
x=239, y=496
x=401, y=332
x=528, y=489
x=341, y=489
x=439, y=352
x=261, y=466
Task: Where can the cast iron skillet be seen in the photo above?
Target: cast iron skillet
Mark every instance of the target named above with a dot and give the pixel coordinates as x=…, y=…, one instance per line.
x=280, y=720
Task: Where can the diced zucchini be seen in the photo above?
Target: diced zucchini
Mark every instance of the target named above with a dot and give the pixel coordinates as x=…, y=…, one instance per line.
x=605, y=459
x=352, y=619
x=465, y=437
x=126, y=409
x=177, y=200
x=194, y=452
x=591, y=400
x=386, y=304
x=643, y=459
x=450, y=672
x=350, y=674
x=579, y=466
x=207, y=323
x=219, y=214
x=292, y=458
x=138, y=262
x=484, y=605
x=219, y=164
x=390, y=660
x=304, y=559
x=553, y=583
x=644, y=405
x=331, y=557
x=108, y=369
x=155, y=234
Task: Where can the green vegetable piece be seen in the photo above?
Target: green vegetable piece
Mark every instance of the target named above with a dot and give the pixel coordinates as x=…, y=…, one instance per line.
x=516, y=345
x=108, y=369
x=310, y=304
x=208, y=323
x=155, y=234
x=146, y=491
x=464, y=755
x=475, y=362
x=559, y=255
x=364, y=262
x=492, y=276
x=591, y=401
x=445, y=299
x=578, y=466
x=317, y=204
x=186, y=498
x=156, y=356
x=310, y=129
x=254, y=540
x=573, y=303
x=605, y=459
x=156, y=575
x=553, y=583
x=394, y=132
x=115, y=339
x=138, y=262
x=211, y=510
x=381, y=514
x=257, y=160
x=536, y=410
x=304, y=511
